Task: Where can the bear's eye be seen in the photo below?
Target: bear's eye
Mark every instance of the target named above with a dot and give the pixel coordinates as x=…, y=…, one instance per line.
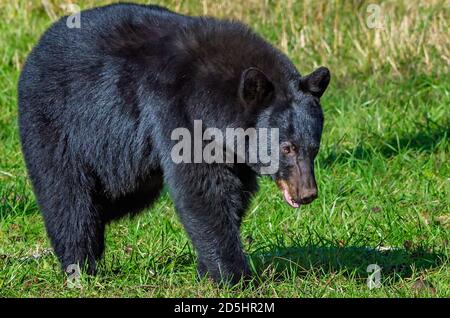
x=287, y=148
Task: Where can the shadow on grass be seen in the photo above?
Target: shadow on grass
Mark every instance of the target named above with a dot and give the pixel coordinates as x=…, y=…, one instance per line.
x=352, y=261
x=424, y=141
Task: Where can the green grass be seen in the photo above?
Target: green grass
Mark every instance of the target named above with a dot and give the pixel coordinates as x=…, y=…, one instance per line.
x=383, y=170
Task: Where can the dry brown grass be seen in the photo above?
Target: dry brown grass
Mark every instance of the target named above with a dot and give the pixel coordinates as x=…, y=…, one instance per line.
x=413, y=37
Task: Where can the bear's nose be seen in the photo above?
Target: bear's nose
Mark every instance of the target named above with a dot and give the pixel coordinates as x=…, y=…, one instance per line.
x=308, y=195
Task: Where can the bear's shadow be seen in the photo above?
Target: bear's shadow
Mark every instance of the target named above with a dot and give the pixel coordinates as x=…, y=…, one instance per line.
x=350, y=261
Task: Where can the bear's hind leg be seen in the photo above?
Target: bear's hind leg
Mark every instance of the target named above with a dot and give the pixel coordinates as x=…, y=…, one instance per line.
x=75, y=228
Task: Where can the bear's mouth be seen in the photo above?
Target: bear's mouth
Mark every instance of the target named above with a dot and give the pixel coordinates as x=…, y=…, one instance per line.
x=282, y=185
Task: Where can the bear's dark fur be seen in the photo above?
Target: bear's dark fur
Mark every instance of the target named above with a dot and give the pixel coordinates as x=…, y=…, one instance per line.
x=97, y=106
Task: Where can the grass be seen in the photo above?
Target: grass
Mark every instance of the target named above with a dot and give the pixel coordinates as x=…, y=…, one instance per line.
x=383, y=169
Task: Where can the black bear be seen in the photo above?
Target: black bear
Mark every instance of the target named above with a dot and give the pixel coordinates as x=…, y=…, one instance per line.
x=97, y=107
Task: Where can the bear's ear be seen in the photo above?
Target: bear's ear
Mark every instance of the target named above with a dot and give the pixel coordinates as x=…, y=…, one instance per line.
x=254, y=87
x=316, y=83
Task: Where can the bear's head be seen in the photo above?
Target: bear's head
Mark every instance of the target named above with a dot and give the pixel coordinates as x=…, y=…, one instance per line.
x=296, y=111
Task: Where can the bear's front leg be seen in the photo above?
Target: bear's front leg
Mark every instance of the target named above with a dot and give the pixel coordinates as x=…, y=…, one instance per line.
x=210, y=200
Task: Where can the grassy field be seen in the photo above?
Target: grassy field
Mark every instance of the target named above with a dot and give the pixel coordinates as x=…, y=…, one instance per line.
x=383, y=170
